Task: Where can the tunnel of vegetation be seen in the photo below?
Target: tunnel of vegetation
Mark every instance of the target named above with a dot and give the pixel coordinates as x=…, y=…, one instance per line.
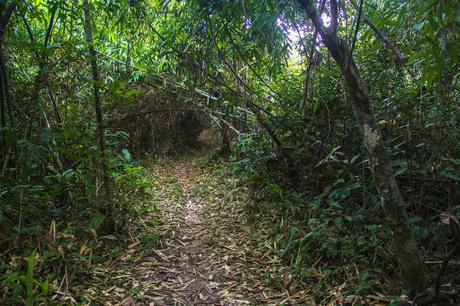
x=341, y=116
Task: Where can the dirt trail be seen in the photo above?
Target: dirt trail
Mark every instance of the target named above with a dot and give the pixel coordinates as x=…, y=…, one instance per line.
x=205, y=256
x=188, y=279
x=182, y=275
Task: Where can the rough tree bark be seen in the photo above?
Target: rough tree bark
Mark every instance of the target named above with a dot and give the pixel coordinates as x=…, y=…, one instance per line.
x=109, y=222
x=404, y=244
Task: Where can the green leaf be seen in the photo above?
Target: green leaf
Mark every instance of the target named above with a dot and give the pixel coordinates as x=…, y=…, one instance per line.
x=126, y=155
x=131, y=93
x=275, y=189
x=68, y=173
x=450, y=175
x=30, y=279
x=45, y=287
x=96, y=221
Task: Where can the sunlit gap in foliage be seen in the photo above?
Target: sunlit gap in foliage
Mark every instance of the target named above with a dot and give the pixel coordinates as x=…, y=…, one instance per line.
x=297, y=36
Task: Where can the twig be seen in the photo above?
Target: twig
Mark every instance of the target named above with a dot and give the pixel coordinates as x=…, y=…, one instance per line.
x=360, y=11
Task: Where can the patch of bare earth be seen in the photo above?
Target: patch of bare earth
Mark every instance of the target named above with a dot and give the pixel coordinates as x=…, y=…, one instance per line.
x=184, y=272
x=185, y=275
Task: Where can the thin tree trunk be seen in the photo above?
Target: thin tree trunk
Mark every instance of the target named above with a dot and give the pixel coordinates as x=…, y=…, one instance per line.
x=309, y=70
x=3, y=90
x=42, y=77
x=5, y=103
x=43, y=71
x=57, y=115
x=100, y=125
x=293, y=173
x=43, y=62
x=225, y=148
x=404, y=244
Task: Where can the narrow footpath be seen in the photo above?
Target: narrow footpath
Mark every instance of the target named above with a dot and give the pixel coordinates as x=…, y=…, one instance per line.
x=205, y=255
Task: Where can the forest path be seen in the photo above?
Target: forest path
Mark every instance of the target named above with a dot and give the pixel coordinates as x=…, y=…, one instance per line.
x=199, y=250
x=185, y=275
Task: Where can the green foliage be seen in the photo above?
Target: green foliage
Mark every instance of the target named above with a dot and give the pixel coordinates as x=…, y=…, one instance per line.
x=150, y=239
x=29, y=279
x=26, y=287
x=249, y=56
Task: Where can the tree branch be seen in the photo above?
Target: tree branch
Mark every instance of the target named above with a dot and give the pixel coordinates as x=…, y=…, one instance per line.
x=358, y=22
x=400, y=56
x=312, y=13
x=50, y=25
x=334, y=16
x=6, y=17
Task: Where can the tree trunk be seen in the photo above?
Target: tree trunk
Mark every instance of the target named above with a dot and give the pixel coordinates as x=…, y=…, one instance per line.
x=5, y=103
x=3, y=91
x=225, y=148
x=404, y=244
x=109, y=223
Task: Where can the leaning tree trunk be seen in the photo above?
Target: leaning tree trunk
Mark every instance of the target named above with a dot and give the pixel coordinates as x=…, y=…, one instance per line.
x=109, y=223
x=404, y=243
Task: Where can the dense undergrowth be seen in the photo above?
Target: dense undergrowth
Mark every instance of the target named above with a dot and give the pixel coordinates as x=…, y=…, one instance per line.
x=53, y=243
x=334, y=213
x=51, y=260
x=329, y=227
x=303, y=241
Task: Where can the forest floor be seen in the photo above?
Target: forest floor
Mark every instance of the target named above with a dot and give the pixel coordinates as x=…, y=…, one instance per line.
x=194, y=248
